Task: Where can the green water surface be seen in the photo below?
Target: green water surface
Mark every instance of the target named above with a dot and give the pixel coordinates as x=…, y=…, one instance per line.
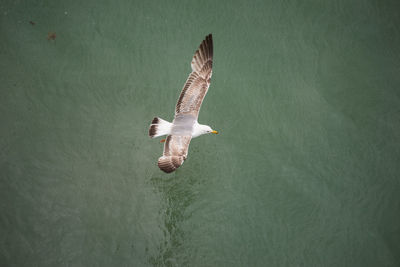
x=305, y=170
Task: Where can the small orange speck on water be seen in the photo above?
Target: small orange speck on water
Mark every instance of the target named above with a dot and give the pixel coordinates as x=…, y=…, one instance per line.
x=51, y=36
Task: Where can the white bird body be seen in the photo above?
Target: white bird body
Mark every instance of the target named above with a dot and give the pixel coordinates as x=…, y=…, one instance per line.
x=167, y=128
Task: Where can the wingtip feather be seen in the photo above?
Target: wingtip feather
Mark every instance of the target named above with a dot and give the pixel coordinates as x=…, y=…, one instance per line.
x=169, y=164
x=203, y=54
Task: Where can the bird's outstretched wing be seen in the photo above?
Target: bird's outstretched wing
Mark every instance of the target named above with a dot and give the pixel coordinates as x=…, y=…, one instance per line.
x=197, y=84
x=176, y=145
x=175, y=152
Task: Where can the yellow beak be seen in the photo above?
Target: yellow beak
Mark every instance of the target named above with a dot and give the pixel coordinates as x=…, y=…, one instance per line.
x=214, y=132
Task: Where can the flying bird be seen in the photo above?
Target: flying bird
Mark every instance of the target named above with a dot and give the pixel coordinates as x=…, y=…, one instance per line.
x=184, y=127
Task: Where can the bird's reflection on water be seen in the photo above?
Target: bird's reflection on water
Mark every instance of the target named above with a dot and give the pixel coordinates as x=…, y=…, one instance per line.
x=178, y=194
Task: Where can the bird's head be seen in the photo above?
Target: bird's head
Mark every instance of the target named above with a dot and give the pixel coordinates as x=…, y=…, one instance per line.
x=207, y=129
x=200, y=129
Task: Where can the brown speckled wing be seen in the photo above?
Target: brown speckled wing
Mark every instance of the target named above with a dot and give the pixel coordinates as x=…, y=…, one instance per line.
x=175, y=152
x=197, y=84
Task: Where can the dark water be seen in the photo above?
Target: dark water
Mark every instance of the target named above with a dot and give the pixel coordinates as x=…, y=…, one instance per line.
x=305, y=171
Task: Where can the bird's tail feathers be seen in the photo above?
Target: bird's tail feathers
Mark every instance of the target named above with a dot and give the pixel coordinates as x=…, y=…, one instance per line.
x=159, y=127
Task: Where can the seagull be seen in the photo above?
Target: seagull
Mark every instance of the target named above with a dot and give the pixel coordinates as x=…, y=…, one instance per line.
x=184, y=127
